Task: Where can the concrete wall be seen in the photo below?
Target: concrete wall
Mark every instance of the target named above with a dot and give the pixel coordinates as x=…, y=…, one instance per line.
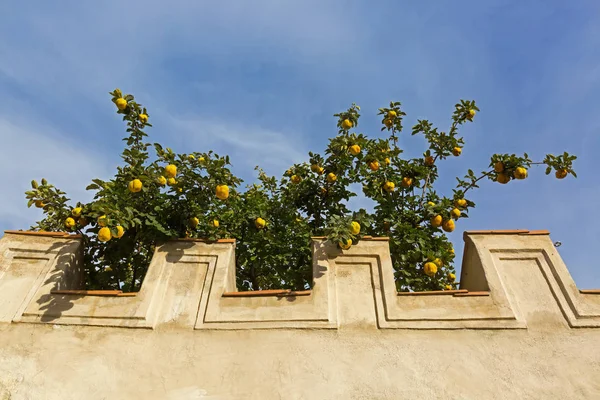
x=518, y=328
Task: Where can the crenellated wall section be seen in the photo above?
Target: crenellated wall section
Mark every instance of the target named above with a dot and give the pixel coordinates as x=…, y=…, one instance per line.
x=518, y=327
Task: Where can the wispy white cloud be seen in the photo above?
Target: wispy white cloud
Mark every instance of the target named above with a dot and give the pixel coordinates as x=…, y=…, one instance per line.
x=34, y=152
x=247, y=145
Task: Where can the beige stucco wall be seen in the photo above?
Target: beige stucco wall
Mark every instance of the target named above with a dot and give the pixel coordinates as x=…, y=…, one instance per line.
x=522, y=331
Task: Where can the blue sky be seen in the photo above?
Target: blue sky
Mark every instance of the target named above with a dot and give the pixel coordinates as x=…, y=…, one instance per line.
x=260, y=81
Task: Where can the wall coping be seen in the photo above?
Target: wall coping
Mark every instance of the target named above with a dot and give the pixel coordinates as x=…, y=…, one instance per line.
x=194, y=286
x=55, y=235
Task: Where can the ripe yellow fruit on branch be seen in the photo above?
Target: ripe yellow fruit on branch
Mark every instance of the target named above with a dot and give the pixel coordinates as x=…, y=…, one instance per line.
x=135, y=186
x=296, y=179
x=215, y=223
x=102, y=221
x=429, y=161
x=171, y=181
x=388, y=123
x=520, y=173
x=430, y=269
x=387, y=161
x=39, y=204
x=456, y=151
x=121, y=103
x=143, y=118
x=438, y=262
x=104, y=234
x=222, y=192
x=347, y=124
x=331, y=177
x=448, y=226
x=451, y=277
x=430, y=203
x=317, y=169
x=354, y=149
x=471, y=114
x=69, y=223
x=406, y=182
x=347, y=245
x=436, y=221
x=561, y=174
x=194, y=221
x=355, y=228
x=170, y=171
x=323, y=191
x=392, y=114
x=460, y=203
x=76, y=212
x=120, y=232
x=162, y=181
x=389, y=187
x=499, y=166
x=260, y=223
x=448, y=287
x=374, y=165
x=455, y=213
x=503, y=178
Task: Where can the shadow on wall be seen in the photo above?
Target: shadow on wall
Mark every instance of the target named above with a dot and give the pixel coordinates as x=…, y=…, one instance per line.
x=175, y=250
x=68, y=274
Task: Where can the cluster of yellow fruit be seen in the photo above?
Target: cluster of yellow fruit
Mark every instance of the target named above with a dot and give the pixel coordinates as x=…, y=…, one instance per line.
x=448, y=225
x=105, y=234
x=389, y=119
x=331, y=177
x=122, y=105
x=430, y=268
x=75, y=213
x=355, y=230
x=194, y=222
x=504, y=176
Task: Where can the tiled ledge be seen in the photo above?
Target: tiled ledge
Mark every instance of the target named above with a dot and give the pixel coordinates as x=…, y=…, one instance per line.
x=204, y=240
x=508, y=232
x=455, y=293
x=110, y=293
x=260, y=293
x=367, y=238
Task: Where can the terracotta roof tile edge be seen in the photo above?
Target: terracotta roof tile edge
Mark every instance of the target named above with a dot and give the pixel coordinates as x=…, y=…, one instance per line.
x=260, y=293
x=472, y=294
x=589, y=291
x=89, y=292
x=204, y=240
x=509, y=232
x=369, y=238
x=65, y=235
x=432, y=292
x=499, y=231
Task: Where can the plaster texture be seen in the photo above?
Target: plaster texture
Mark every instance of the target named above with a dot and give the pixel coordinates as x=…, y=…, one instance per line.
x=518, y=328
